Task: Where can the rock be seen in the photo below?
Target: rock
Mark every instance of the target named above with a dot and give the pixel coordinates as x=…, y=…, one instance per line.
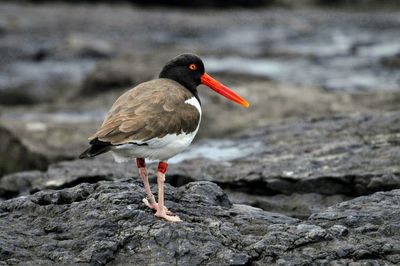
x=106, y=222
x=111, y=75
x=391, y=61
x=347, y=155
x=46, y=128
x=295, y=205
x=16, y=156
x=87, y=46
x=33, y=140
x=206, y=3
x=122, y=73
x=39, y=80
x=271, y=103
x=63, y=175
x=365, y=3
x=297, y=168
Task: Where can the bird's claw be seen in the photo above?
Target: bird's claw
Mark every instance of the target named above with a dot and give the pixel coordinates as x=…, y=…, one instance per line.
x=154, y=206
x=170, y=218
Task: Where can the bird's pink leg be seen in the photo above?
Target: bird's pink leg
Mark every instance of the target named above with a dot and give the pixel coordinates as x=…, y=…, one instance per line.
x=162, y=169
x=149, y=200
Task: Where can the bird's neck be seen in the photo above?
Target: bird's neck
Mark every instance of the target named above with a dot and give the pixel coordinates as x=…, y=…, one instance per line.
x=188, y=84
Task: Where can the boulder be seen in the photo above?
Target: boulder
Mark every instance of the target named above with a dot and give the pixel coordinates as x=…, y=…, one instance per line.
x=106, y=223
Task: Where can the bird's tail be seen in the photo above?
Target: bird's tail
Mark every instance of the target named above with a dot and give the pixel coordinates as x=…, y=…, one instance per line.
x=94, y=150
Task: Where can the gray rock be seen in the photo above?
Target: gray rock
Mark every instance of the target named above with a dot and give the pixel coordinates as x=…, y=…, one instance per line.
x=295, y=205
x=297, y=169
x=45, y=129
x=106, y=223
x=391, y=61
x=351, y=155
x=16, y=156
x=115, y=74
x=33, y=140
x=63, y=175
x=88, y=46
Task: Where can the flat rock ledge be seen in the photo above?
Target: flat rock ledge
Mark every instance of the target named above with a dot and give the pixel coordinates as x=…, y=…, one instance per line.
x=106, y=223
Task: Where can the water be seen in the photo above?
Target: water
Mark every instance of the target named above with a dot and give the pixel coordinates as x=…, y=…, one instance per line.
x=219, y=150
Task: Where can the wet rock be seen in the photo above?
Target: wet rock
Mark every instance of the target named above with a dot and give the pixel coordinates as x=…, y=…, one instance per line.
x=295, y=47
x=121, y=73
x=365, y=3
x=87, y=46
x=271, y=102
x=297, y=168
x=33, y=140
x=16, y=155
x=109, y=75
x=40, y=81
x=295, y=205
x=46, y=129
x=391, y=61
x=349, y=155
x=63, y=175
x=106, y=222
x=207, y=3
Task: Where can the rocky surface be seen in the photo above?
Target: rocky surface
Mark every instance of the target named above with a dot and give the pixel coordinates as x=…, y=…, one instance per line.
x=45, y=129
x=320, y=140
x=16, y=156
x=296, y=168
x=106, y=223
x=342, y=155
x=289, y=68
x=46, y=53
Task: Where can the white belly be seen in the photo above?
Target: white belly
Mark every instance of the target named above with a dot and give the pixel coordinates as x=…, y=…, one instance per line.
x=158, y=148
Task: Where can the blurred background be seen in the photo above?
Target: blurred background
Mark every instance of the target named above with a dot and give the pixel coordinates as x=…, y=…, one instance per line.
x=63, y=63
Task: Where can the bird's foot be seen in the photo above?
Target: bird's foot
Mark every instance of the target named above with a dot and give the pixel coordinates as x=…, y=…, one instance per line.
x=165, y=216
x=154, y=206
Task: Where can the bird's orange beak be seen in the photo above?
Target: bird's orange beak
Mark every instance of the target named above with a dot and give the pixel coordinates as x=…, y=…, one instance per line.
x=222, y=89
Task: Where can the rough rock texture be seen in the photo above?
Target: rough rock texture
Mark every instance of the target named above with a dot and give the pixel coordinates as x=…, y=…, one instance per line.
x=106, y=222
x=350, y=155
x=49, y=59
x=297, y=168
x=45, y=129
x=299, y=205
x=63, y=175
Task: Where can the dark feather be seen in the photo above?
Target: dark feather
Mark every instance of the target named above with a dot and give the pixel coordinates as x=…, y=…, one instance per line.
x=97, y=147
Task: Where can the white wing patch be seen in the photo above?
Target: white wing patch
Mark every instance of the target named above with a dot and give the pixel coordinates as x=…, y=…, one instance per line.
x=158, y=148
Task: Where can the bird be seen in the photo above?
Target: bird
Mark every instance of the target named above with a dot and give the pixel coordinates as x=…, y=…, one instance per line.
x=156, y=120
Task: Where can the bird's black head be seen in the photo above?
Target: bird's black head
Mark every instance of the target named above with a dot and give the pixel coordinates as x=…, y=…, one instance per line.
x=188, y=70
x=185, y=69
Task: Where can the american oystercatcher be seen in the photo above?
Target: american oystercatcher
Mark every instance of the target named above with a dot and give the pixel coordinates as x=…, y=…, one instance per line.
x=157, y=120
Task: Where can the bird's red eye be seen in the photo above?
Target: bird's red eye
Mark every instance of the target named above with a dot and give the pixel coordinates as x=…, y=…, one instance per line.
x=192, y=66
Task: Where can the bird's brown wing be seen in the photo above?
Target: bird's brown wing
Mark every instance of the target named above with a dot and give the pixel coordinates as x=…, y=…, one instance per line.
x=150, y=110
